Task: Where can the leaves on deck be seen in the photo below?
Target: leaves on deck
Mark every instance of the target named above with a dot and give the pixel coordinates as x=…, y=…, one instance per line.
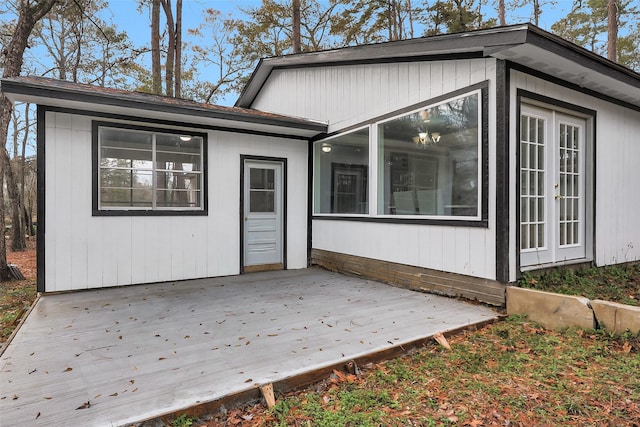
x=85, y=405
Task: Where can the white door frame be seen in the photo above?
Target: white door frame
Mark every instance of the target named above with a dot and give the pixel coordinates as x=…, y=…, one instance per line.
x=541, y=219
x=274, y=255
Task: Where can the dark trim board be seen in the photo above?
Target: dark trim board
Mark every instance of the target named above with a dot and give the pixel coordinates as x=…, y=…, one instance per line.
x=41, y=193
x=309, y=201
x=419, y=221
x=412, y=277
x=283, y=162
x=502, y=171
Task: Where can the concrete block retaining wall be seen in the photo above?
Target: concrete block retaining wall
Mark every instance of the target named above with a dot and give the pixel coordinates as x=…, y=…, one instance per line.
x=556, y=311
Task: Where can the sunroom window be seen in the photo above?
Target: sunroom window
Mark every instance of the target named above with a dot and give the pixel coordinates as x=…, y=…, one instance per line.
x=423, y=163
x=341, y=172
x=428, y=161
x=142, y=170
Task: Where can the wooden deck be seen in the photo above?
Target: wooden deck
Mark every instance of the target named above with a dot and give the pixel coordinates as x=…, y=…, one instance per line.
x=139, y=352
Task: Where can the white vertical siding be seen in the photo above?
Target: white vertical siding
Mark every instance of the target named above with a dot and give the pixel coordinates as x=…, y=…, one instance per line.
x=83, y=251
x=617, y=156
x=348, y=95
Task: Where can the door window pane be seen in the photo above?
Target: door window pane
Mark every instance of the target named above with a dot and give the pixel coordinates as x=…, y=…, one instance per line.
x=533, y=178
x=261, y=190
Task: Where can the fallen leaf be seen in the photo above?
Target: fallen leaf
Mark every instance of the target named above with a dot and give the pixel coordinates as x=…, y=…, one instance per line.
x=48, y=397
x=85, y=405
x=38, y=416
x=247, y=343
x=15, y=397
x=626, y=348
x=132, y=381
x=68, y=370
x=161, y=358
x=114, y=394
x=248, y=380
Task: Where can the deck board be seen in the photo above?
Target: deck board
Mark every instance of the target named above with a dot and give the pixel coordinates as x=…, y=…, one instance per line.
x=143, y=351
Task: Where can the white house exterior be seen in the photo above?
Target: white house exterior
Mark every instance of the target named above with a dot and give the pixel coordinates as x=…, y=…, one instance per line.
x=450, y=163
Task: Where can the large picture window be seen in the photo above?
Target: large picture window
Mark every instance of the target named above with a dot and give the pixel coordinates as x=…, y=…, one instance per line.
x=428, y=161
x=147, y=170
x=341, y=174
x=423, y=163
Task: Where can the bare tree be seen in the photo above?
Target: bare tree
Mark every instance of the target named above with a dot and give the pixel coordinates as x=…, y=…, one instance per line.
x=169, y=66
x=295, y=37
x=156, y=75
x=178, y=58
x=29, y=12
x=612, y=30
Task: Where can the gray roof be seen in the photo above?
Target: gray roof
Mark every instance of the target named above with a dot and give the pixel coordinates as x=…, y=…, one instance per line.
x=64, y=94
x=524, y=44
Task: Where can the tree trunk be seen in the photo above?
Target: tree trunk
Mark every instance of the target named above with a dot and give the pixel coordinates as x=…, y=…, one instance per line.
x=410, y=12
x=296, y=27
x=612, y=30
x=155, y=48
x=501, y=13
x=28, y=15
x=178, y=60
x=23, y=166
x=169, y=66
x=4, y=270
x=536, y=12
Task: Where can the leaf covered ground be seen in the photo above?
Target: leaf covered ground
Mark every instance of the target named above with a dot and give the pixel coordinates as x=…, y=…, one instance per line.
x=17, y=296
x=512, y=373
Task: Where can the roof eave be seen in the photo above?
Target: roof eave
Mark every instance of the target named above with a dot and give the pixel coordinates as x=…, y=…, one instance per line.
x=469, y=43
x=51, y=96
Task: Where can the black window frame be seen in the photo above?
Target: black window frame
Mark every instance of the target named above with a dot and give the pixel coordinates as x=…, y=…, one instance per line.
x=115, y=211
x=483, y=163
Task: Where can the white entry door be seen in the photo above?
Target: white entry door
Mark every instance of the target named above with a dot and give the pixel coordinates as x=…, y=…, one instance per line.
x=552, y=187
x=262, y=215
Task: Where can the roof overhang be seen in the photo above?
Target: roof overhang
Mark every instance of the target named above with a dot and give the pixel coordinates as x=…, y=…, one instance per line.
x=525, y=45
x=91, y=99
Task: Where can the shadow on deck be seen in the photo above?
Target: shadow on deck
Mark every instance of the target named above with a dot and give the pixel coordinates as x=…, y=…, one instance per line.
x=124, y=355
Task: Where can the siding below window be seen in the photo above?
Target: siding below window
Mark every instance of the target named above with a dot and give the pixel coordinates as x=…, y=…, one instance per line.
x=410, y=277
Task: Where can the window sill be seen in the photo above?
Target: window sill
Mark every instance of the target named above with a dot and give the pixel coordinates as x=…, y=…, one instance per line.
x=450, y=222
x=122, y=212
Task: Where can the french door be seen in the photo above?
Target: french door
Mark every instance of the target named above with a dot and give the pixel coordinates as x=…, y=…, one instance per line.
x=552, y=187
